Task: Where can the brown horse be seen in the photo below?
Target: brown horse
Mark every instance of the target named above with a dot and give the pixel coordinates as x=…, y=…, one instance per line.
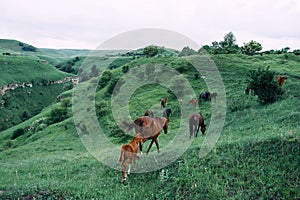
x=193, y=102
x=163, y=102
x=280, y=80
x=129, y=151
x=149, y=128
x=195, y=121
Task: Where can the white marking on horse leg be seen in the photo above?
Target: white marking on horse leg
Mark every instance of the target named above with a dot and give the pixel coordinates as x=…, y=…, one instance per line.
x=129, y=169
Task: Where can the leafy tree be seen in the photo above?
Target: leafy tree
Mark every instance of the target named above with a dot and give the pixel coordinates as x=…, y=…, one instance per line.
x=58, y=115
x=105, y=78
x=151, y=50
x=251, y=48
x=187, y=51
x=297, y=52
x=264, y=85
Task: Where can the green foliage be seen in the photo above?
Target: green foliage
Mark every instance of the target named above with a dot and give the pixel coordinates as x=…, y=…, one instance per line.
x=263, y=83
x=17, y=133
x=69, y=65
x=152, y=50
x=104, y=79
x=297, y=52
x=251, y=48
x=187, y=51
x=125, y=69
x=29, y=48
x=58, y=115
x=101, y=108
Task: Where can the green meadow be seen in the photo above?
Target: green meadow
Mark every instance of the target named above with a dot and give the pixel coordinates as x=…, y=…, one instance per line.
x=257, y=155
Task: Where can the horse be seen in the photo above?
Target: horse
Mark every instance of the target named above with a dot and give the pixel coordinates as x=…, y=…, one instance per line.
x=149, y=113
x=167, y=112
x=204, y=95
x=149, y=128
x=163, y=102
x=280, y=80
x=193, y=102
x=195, y=121
x=129, y=151
x=249, y=88
x=213, y=96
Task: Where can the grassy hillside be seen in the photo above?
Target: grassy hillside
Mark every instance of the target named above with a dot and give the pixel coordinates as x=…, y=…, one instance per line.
x=33, y=76
x=256, y=156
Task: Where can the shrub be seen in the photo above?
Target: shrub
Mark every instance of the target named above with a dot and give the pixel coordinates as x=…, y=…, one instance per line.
x=104, y=79
x=58, y=115
x=17, y=133
x=264, y=85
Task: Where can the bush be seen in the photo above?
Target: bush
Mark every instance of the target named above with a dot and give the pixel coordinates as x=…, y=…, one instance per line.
x=17, y=133
x=264, y=85
x=104, y=79
x=58, y=115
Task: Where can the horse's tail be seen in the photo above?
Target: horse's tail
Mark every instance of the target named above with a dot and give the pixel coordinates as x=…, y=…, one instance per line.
x=122, y=156
x=127, y=126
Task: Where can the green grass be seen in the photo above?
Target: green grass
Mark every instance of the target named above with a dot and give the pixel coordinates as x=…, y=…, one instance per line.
x=256, y=156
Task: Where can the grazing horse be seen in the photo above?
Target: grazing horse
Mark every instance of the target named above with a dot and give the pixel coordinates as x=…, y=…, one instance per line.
x=163, y=102
x=149, y=128
x=204, y=95
x=249, y=88
x=167, y=112
x=195, y=121
x=213, y=96
x=149, y=113
x=129, y=151
x=193, y=102
x=280, y=80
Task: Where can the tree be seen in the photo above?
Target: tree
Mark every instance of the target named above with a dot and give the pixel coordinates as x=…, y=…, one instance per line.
x=151, y=50
x=251, y=48
x=264, y=85
x=187, y=51
x=229, y=44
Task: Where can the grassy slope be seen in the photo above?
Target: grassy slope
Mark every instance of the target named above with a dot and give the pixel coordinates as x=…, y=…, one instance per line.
x=25, y=67
x=257, y=155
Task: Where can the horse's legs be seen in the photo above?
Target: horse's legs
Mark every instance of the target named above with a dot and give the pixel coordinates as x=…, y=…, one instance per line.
x=124, y=172
x=149, y=147
x=157, y=146
x=128, y=172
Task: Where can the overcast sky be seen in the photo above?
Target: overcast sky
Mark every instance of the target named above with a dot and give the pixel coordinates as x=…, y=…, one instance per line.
x=88, y=23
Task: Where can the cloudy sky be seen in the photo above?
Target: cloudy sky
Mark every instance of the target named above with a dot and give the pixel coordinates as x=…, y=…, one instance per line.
x=88, y=23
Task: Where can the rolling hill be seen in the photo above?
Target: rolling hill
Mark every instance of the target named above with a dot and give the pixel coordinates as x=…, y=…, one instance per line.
x=256, y=156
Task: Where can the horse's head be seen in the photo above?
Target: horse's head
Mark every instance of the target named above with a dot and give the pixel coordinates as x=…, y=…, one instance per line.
x=165, y=127
x=138, y=138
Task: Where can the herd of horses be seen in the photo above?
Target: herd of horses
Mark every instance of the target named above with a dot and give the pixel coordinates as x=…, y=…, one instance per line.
x=148, y=127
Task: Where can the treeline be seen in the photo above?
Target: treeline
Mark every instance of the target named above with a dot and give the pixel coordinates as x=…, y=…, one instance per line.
x=229, y=46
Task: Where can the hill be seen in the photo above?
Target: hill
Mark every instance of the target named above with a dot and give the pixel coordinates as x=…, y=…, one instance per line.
x=27, y=82
x=256, y=156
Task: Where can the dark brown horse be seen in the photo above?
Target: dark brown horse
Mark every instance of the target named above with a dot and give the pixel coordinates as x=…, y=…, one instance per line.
x=167, y=112
x=163, y=102
x=149, y=128
x=129, y=151
x=195, y=121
